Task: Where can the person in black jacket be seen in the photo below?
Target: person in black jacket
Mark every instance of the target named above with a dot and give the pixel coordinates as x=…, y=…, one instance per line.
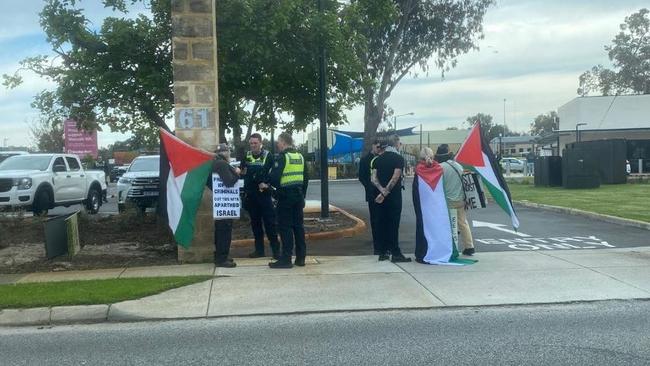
x=371, y=193
x=223, y=228
x=289, y=176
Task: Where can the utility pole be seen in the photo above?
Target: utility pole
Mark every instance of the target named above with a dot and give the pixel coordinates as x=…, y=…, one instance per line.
x=322, y=71
x=420, y=137
x=504, y=116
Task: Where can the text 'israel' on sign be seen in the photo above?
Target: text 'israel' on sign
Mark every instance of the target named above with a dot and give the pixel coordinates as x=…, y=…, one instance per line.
x=226, y=201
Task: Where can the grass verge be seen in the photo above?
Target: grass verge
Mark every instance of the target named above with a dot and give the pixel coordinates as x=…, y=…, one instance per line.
x=630, y=201
x=30, y=295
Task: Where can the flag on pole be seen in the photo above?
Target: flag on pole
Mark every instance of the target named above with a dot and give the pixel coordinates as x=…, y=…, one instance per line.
x=475, y=154
x=189, y=169
x=436, y=235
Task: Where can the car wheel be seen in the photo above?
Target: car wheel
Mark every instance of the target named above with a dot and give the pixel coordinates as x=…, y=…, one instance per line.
x=94, y=201
x=41, y=203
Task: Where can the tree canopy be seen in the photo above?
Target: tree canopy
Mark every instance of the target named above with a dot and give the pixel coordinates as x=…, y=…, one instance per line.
x=630, y=56
x=544, y=123
x=395, y=36
x=489, y=129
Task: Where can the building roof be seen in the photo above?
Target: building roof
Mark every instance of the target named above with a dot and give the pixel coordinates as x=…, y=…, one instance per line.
x=514, y=139
x=606, y=112
x=436, y=137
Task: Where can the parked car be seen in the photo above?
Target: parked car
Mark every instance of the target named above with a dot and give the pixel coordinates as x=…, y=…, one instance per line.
x=140, y=184
x=40, y=182
x=117, y=172
x=7, y=154
x=516, y=165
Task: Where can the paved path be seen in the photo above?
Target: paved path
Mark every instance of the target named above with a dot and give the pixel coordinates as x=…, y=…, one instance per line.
x=350, y=283
x=540, y=230
x=610, y=333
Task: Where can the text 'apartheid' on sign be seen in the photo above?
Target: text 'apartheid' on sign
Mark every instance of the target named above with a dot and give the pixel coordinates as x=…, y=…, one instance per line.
x=226, y=202
x=556, y=243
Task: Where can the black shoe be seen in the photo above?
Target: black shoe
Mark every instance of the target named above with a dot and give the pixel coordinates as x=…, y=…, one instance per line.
x=383, y=257
x=300, y=262
x=280, y=264
x=400, y=259
x=469, y=251
x=421, y=261
x=229, y=263
x=256, y=255
x=276, y=257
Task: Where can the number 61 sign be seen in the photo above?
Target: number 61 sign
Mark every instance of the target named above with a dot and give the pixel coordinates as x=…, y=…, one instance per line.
x=193, y=118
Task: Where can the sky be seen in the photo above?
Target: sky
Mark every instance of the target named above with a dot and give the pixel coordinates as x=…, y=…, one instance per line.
x=532, y=55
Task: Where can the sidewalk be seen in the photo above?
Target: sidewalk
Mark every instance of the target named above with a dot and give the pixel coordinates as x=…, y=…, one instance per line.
x=361, y=283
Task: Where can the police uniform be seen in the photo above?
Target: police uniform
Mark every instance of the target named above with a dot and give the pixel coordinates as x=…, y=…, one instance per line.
x=258, y=203
x=289, y=177
x=365, y=168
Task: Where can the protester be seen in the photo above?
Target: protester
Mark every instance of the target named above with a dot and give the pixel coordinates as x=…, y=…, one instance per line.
x=434, y=233
x=455, y=195
x=223, y=228
x=371, y=192
x=257, y=196
x=387, y=170
x=289, y=176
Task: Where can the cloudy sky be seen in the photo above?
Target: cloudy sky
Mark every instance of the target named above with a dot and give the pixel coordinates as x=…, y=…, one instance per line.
x=532, y=55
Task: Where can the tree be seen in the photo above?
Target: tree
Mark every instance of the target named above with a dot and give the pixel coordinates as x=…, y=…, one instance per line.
x=544, y=123
x=452, y=128
x=488, y=128
x=630, y=56
x=394, y=36
x=118, y=76
x=47, y=136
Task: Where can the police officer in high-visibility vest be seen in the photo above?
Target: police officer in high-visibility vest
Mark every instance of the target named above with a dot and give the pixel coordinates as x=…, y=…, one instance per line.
x=289, y=177
x=257, y=201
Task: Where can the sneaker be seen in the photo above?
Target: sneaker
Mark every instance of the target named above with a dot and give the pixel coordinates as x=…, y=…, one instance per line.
x=383, y=257
x=280, y=265
x=469, y=251
x=256, y=255
x=400, y=259
x=229, y=263
x=300, y=262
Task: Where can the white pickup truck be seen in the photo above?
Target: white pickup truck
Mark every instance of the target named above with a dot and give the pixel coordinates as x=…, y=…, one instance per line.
x=44, y=181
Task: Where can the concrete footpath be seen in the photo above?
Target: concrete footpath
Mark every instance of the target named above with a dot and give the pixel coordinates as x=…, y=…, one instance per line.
x=356, y=283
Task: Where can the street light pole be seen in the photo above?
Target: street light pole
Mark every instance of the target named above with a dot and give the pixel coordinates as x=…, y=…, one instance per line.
x=504, y=115
x=578, y=132
x=401, y=115
x=322, y=71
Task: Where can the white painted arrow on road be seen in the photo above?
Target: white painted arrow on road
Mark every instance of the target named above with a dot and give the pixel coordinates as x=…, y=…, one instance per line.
x=499, y=227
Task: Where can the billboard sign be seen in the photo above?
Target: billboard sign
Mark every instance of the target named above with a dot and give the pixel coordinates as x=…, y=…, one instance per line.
x=79, y=142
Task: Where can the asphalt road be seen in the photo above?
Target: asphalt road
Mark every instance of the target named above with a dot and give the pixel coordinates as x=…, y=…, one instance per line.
x=539, y=229
x=604, y=333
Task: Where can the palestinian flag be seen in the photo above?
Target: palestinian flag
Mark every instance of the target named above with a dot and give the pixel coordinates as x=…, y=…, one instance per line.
x=189, y=169
x=436, y=229
x=475, y=154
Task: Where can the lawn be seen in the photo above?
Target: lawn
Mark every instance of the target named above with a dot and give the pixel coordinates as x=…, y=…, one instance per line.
x=29, y=295
x=631, y=201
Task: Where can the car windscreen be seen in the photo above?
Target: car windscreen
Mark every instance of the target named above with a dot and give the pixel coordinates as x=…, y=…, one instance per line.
x=26, y=162
x=145, y=165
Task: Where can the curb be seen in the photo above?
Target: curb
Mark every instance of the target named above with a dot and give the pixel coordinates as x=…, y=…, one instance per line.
x=358, y=228
x=590, y=215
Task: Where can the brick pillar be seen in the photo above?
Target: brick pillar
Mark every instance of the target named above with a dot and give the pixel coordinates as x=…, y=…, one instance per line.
x=194, y=43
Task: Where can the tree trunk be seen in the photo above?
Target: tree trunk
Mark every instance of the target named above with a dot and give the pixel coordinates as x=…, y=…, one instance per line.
x=372, y=116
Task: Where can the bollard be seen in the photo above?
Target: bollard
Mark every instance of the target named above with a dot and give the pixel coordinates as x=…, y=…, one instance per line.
x=640, y=166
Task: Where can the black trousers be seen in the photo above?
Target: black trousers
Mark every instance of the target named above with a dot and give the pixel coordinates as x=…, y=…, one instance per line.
x=374, y=226
x=260, y=209
x=292, y=230
x=222, y=239
x=390, y=213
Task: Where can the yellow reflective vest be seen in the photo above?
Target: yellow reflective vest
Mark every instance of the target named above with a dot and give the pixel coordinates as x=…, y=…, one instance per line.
x=294, y=170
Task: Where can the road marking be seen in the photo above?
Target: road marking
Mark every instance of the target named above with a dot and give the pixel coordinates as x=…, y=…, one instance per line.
x=498, y=227
x=576, y=242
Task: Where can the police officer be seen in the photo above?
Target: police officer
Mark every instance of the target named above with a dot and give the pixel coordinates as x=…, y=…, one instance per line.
x=257, y=201
x=223, y=228
x=289, y=177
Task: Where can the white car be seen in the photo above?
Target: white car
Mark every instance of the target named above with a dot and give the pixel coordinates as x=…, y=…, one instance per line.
x=140, y=184
x=516, y=165
x=43, y=181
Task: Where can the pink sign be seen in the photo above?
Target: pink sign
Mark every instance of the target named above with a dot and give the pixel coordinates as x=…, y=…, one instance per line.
x=78, y=142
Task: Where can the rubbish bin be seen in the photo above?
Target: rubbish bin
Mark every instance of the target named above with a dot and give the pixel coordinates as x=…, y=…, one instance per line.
x=62, y=235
